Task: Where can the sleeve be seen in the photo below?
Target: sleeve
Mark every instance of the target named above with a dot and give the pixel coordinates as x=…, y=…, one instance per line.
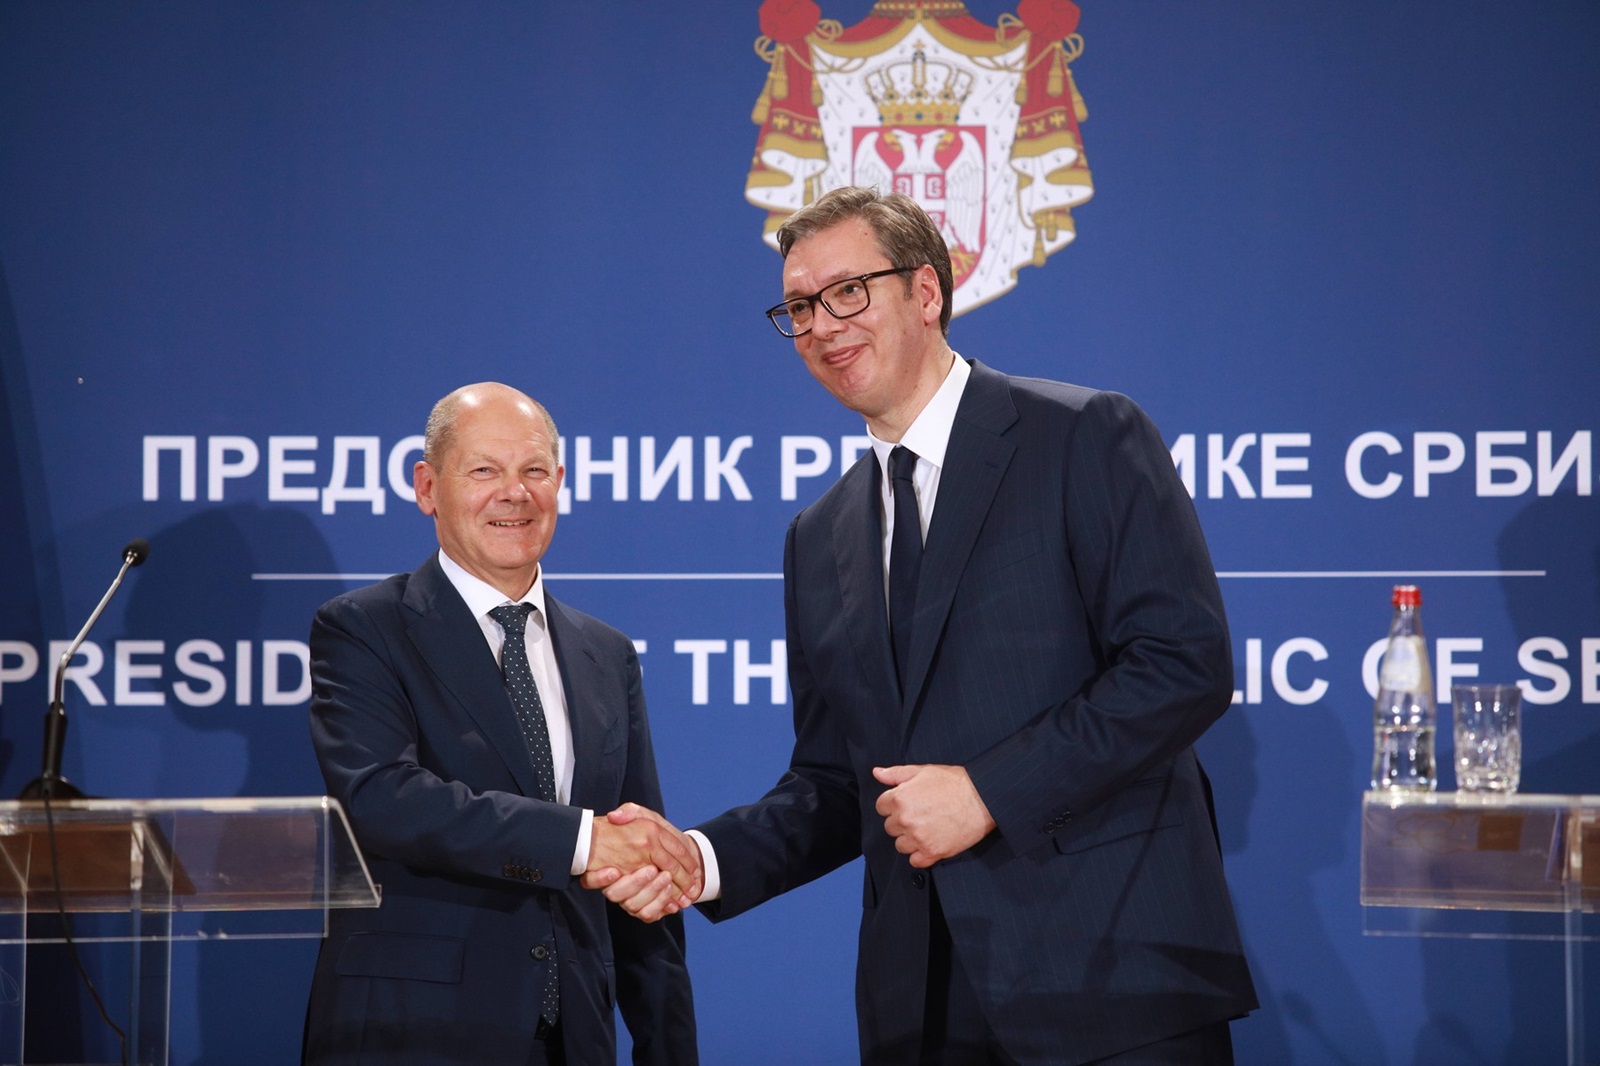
x=428, y=805
x=1155, y=617
x=809, y=823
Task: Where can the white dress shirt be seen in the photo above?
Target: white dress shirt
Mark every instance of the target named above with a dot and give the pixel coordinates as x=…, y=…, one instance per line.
x=929, y=437
x=481, y=598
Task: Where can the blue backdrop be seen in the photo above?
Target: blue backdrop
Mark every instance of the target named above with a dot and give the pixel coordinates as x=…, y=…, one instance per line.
x=1343, y=253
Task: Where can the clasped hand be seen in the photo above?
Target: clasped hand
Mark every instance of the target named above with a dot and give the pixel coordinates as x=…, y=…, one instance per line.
x=932, y=811
x=644, y=863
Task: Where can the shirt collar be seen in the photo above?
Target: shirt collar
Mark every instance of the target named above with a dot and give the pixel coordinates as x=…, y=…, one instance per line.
x=482, y=597
x=929, y=433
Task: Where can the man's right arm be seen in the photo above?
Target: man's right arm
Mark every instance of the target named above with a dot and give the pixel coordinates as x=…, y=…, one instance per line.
x=365, y=729
x=433, y=814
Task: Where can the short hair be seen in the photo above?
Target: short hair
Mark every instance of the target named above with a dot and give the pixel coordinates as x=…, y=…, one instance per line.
x=439, y=436
x=906, y=235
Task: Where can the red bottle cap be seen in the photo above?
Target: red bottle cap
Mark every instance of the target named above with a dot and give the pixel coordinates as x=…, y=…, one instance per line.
x=1407, y=596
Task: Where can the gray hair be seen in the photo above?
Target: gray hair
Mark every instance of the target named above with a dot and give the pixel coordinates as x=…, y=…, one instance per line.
x=906, y=235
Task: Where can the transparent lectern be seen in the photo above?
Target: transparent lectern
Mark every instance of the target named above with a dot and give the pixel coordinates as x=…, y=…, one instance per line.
x=1465, y=864
x=147, y=872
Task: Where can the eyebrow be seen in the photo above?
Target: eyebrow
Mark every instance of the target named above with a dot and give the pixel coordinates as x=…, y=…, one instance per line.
x=789, y=294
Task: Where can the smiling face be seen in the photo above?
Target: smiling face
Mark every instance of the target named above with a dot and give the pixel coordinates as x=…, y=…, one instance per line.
x=886, y=362
x=493, y=490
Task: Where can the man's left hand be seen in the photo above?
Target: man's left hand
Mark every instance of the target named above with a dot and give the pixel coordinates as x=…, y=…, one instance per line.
x=932, y=811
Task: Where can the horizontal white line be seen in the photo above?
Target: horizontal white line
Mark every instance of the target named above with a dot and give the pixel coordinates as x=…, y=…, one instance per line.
x=1379, y=573
x=1269, y=574
x=319, y=577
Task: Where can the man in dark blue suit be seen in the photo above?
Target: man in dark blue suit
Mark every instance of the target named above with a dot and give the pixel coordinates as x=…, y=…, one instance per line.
x=471, y=725
x=1004, y=637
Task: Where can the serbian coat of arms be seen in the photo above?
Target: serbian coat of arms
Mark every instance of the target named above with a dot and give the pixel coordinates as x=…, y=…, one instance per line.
x=977, y=123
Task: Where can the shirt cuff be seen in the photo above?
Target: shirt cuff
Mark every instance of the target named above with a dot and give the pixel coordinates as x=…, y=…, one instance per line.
x=580, y=854
x=708, y=862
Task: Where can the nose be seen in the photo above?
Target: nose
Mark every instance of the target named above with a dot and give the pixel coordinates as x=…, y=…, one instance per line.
x=823, y=322
x=513, y=488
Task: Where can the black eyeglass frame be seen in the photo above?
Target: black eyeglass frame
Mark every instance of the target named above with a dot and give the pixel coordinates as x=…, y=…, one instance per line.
x=816, y=298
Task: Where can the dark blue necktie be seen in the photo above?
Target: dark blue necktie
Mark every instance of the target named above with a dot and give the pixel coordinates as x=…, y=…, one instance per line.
x=905, y=555
x=513, y=618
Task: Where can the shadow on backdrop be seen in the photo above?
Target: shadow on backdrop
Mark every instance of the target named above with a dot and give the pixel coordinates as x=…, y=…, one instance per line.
x=55, y=1003
x=1520, y=984
x=200, y=587
x=1228, y=751
x=1313, y=1009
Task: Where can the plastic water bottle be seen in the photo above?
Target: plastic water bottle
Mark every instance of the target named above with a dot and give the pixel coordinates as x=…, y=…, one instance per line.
x=1404, y=716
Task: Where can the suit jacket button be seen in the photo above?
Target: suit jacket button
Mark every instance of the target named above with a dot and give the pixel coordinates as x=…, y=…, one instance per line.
x=508, y=870
x=540, y=952
x=919, y=879
x=536, y=874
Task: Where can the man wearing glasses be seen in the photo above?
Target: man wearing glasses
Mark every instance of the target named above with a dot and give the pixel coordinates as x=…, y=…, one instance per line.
x=1004, y=634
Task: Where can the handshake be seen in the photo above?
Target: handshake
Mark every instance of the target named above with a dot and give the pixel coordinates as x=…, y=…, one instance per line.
x=643, y=863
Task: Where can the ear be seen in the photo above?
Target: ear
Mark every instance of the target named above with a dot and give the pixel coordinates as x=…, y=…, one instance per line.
x=423, y=481
x=925, y=286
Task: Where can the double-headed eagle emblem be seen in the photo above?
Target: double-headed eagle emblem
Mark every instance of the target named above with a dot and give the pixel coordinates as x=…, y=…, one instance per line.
x=978, y=123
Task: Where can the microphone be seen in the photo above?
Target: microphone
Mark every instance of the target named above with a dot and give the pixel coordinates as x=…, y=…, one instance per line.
x=50, y=784
x=136, y=551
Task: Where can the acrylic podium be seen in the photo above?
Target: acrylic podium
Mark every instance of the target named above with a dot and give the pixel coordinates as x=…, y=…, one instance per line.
x=1466, y=864
x=141, y=874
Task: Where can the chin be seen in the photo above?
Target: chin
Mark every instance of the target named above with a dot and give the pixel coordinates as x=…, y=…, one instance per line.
x=857, y=400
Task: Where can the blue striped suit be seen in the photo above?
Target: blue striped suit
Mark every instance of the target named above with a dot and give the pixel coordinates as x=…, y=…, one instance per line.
x=1069, y=646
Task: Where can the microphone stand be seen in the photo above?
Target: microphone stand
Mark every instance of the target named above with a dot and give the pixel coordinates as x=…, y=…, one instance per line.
x=50, y=784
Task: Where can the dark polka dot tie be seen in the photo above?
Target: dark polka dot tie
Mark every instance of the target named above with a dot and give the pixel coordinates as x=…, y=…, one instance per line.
x=513, y=618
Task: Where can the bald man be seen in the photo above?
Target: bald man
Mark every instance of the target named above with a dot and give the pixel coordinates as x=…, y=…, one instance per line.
x=471, y=725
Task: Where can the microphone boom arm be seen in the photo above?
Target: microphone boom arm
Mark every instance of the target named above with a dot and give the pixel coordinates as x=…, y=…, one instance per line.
x=50, y=784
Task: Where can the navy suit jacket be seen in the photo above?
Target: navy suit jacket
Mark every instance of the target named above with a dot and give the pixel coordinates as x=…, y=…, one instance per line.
x=417, y=739
x=1068, y=648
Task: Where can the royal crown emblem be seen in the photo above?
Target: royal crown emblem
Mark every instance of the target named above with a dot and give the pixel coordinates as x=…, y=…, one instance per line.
x=905, y=95
x=978, y=123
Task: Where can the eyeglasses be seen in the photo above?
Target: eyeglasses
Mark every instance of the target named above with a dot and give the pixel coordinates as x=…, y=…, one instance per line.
x=843, y=299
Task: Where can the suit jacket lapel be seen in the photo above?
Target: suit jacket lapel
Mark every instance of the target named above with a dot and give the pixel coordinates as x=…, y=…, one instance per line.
x=975, y=463
x=451, y=643
x=590, y=721
x=858, y=549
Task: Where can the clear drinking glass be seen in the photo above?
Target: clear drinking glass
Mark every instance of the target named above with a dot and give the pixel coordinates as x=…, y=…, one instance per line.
x=1488, y=724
